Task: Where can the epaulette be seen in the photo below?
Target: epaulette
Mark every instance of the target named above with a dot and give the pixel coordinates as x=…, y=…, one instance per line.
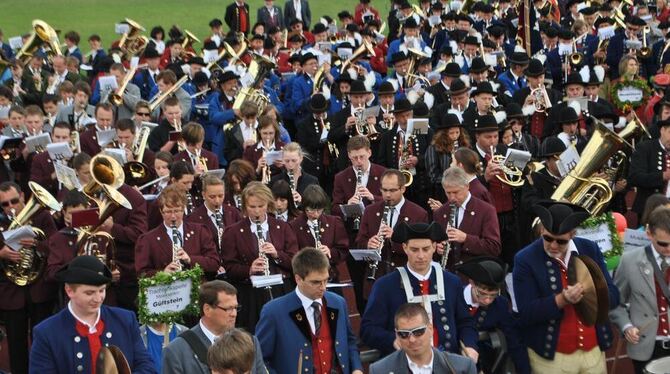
x=227, y=126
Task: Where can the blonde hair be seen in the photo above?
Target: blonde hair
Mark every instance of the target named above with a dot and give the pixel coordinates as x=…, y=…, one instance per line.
x=259, y=190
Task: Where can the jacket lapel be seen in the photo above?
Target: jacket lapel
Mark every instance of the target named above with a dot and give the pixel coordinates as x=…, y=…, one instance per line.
x=238, y=134
x=647, y=273
x=299, y=317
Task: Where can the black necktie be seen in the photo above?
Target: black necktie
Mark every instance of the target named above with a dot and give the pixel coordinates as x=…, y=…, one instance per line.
x=317, y=316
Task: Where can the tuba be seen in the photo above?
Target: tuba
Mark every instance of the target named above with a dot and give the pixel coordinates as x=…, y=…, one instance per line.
x=32, y=262
x=159, y=99
x=132, y=43
x=187, y=45
x=260, y=67
x=116, y=97
x=106, y=177
x=580, y=187
x=42, y=34
x=136, y=172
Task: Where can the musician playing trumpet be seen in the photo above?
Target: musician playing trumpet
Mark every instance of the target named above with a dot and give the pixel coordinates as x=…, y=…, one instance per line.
x=159, y=139
x=193, y=135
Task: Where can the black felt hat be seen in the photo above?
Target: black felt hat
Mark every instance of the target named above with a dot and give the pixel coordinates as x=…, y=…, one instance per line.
x=410, y=23
x=478, y=65
x=575, y=78
x=534, y=69
x=358, y=88
x=452, y=70
x=386, y=88
x=226, y=76
x=551, y=146
x=567, y=115
x=397, y=57
x=308, y=56
x=318, y=103
x=406, y=232
x=457, y=87
x=558, y=217
x=513, y=110
x=486, y=270
x=519, y=58
x=485, y=123
x=448, y=121
x=85, y=270
x=484, y=87
x=402, y=105
x=151, y=53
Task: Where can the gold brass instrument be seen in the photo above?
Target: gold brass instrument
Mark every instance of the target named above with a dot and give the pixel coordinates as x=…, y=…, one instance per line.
x=260, y=67
x=404, y=157
x=236, y=57
x=42, y=34
x=580, y=187
x=453, y=210
x=201, y=160
x=75, y=144
x=333, y=151
x=362, y=126
x=187, y=45
x=415, y=56
x=366, y=47
x=387, y=122
x=511, y=176
x=132, y=43
x=374, y=265
x=176, y=246
x=116, y=97
x=319, y=78
x=576, y=58
x=106, y=177
x=541, y=102
x=159, y=99
x=138, y=173
x=266, y=174
x=32, y=262
x=465, y=6
x=645, y=51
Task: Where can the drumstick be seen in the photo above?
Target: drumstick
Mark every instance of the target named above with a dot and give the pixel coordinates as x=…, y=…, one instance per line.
x=465, y=353
x=623, y=338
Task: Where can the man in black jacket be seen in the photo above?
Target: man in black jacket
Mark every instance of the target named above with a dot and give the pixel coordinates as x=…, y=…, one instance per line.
x=650, y=167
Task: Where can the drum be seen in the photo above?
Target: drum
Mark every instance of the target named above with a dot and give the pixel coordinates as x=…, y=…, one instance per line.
x=659, y=366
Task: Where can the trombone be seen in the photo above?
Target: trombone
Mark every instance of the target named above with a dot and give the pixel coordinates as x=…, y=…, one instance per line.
x=645, y=51
x=160, y=98
x=116, y=97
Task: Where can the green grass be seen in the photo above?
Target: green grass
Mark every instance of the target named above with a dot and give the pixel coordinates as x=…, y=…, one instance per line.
x=98, y=17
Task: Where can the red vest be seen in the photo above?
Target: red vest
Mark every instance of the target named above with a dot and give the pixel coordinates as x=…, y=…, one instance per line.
x=537, y=124
x=94, y=343
x=322, y=346
x=501, y=195
x=662, y=305
x=425, y=290
x=573, y=334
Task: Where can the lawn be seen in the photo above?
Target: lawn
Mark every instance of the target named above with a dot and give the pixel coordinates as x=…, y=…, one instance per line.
x=95, y=16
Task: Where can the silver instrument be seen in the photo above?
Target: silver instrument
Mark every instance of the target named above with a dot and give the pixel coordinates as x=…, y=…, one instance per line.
x=291, y=184
x=176, y=247
x=238, y=201
x=261, y=241
x=447, y=244
x=218, y=217
x=359, y=183
x=374, y=265
x=189, y=203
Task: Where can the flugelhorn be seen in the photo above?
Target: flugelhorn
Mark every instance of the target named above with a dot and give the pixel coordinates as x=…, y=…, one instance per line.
x=542, y=101
x=511, y=175
x=362, y=125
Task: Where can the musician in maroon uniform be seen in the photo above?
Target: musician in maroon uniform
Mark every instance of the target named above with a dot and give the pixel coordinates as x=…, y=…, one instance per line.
x=293, y=173
x=126, y=133
x=104, y=118
x=244, y=257
x=238, y=175
x=175, y=244
x=22, y=306
x=212, y=214
x=473, y=228
x=181, y=175
x=468, y=160
x=21, y=163
x=193, y=135
x=268, y=135
x=373, y=225
x=313, y=224
x=42, y=168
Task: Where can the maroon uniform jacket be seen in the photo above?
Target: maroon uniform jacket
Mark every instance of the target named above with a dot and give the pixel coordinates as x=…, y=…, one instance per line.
x=154, y=249
x=344, y=186
x=13, y=297
x=62, y=249
x=333, y=236
x=253, y=153
x=200, y=216
x=129, y=224
x=478, y=190
x=480, y=223
x=40, y=171
x=89, y=141
x=242, y=248
x=410, y=213
x=211, y=159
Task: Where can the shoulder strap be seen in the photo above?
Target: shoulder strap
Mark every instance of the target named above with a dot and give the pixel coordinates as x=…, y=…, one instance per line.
x=657, y=273
x=197, y=346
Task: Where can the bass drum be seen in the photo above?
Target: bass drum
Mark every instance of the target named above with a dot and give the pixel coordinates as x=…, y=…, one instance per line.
x=659, y=366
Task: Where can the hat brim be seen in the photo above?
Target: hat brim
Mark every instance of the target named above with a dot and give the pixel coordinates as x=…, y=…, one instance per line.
x=83, y=276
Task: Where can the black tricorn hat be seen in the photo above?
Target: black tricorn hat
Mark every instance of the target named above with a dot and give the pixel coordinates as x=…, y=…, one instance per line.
x=558, y=217
x=402, y=105
x=405, y=232
x=358, y=88
x=534, y=69
x=85, y=270
x=226, y=76
x=318, y=103
x=487, y=270
x=551, y=146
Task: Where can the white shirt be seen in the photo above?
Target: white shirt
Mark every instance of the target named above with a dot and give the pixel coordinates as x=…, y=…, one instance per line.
x=248, y=131
x=571, y=248
x=424, y=369
x=91, y=329
x=270, y=148
x=396, y=212
x=419, y=276
x=309, y=309
x=298, y=9
x=180, y=229
x=210, y=335
x=264, y=227
x=212, y=215
x=283, y=216
x=467, y=294
x=461, y=210
x=72, y=49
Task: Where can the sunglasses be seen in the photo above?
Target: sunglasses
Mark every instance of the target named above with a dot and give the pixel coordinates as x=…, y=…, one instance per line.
x=550, y=240
x=13, y=201
x=415, y=332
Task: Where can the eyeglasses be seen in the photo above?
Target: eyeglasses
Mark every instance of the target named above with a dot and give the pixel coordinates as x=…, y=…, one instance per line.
x=415, y=332
x=236, y=308
x=550, y=240
x=169, y=212
x=481, y=295
x=13, y=201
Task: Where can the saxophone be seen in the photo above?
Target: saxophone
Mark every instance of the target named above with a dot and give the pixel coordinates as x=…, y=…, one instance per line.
x=374, y=265
x=175, y=247
x=447, y=243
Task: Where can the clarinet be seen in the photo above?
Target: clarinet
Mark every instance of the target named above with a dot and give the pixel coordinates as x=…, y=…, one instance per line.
x=266, y=261
x=175, y=247
x=447, y=243
x=374, y=265
x=359, y=182
x=189, y=203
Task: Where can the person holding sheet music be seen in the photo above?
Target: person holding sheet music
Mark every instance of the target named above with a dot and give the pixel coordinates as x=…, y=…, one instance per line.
x=21, y=163
x=268, y=141
x=90, y=139
x=130, y=96
x=258, y=245
x=42, y=168
x=80, y=113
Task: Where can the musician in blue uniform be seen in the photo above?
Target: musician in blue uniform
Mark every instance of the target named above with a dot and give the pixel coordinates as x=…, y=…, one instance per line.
x=71, y=340
x=617, y=46
x=491, y=312
x=513, y=79
x=559, y=336
x=420, y=281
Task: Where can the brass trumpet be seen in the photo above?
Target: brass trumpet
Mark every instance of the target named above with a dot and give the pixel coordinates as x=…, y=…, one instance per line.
x=645, y=51
x=511, y=176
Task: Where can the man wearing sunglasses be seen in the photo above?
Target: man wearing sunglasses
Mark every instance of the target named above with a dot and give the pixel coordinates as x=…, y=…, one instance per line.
x=22, y=307
x=218, y=313
x=557, y=338
x=317, y=336
x=486, y=276
x=642, y=277
x=420, y=281
x=416, y=353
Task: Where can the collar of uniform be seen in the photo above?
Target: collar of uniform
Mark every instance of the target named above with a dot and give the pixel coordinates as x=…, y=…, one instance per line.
x=419, y=276
x=91, y=329
x=481, y=152
x=658, y=257
x=282, y=216
x=472, y=178
x=466, y=201
x=572, y=248
x=467, y=295
x=212, y=213
x=209, y=334
x=180, y=228
x=264, y=225
x=416, y=368
x=398, y=206
x=72, y=49
x=306, y=301
x=253, y=126
x=270, y=148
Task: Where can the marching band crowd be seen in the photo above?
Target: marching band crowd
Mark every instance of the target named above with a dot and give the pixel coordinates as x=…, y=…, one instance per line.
x=460, y=144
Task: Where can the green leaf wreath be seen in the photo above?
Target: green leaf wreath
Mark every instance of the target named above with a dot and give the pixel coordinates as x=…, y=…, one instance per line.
x=617, y=245
x=163, y=278
x=626, y=106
